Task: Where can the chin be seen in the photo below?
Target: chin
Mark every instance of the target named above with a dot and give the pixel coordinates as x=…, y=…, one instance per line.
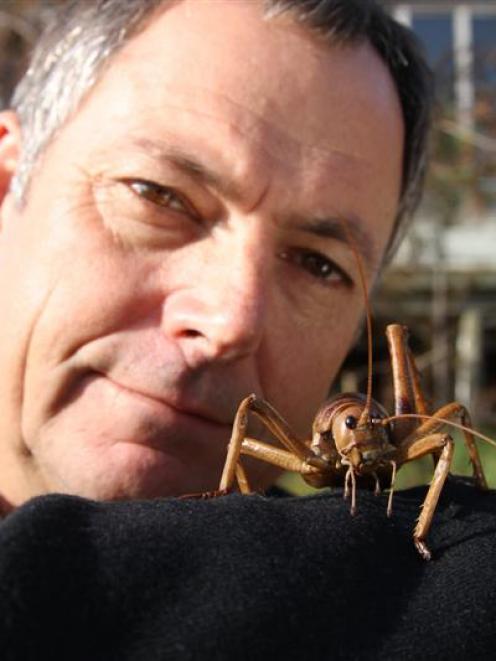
x=128, y=471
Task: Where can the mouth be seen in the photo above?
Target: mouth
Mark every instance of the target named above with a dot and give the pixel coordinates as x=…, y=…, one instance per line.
x=195, y=413
x=134, y=443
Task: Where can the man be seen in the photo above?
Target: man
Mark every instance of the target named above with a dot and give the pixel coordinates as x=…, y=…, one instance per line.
x=178, y=241
x=175, y=181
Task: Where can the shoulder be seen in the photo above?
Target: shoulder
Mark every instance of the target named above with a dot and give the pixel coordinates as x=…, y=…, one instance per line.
x=250, y=577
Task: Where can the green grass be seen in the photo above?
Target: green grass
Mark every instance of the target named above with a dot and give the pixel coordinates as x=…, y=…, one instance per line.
x=420, y=471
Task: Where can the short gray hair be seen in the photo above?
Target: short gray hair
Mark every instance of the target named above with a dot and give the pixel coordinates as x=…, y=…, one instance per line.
x=77, y=44
x=82, y=37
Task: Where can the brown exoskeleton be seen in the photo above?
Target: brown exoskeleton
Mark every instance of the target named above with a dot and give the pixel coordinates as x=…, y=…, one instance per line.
x=353, y=436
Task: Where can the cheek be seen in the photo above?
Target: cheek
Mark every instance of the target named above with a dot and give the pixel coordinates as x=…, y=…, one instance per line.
x=76, y=285
x=91, y=281
x=306, y=360
x=93, y=295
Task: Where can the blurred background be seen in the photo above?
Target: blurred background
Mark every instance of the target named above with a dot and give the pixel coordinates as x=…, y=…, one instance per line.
x=442, y=283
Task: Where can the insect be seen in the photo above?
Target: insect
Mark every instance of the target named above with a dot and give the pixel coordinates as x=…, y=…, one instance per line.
x=354, y=439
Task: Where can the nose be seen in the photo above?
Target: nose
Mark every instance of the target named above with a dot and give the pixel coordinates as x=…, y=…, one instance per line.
x=220, y=314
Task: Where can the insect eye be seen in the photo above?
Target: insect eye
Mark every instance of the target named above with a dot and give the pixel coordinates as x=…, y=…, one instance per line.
x=351, y=422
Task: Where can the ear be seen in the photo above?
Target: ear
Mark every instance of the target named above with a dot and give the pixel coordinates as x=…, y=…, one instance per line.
x=10, y=148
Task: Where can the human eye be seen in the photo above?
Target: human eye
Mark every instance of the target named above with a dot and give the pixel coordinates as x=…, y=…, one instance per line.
x=318, y=266
x=161, y=196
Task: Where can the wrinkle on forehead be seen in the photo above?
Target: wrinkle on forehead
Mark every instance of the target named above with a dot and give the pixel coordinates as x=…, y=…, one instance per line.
x=255, y=61
x=160, y=112
x=254, y=96
x=266, y=136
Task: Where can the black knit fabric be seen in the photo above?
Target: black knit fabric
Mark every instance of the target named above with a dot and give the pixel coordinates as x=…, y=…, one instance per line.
x=248, y=577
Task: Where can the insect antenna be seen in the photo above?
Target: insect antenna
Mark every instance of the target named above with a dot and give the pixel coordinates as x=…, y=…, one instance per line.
x=368, y=316
x=444, y=421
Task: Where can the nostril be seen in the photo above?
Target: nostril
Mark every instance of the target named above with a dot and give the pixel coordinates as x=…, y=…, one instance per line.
x=211, y=325
x=190, y=333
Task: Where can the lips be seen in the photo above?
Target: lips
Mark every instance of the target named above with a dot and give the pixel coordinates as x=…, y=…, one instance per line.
x=121, y=441
x=201, y=413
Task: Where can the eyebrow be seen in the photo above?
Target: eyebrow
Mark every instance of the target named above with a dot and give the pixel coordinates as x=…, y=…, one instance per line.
x=347, y=230
x=191, y=166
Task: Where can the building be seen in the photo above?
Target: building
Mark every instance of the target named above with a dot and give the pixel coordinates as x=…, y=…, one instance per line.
x=460, y=40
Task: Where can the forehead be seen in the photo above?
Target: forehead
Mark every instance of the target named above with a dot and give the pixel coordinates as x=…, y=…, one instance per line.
x=222, y=52
x=260, y=97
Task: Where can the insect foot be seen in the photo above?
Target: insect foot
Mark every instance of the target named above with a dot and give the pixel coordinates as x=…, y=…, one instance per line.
x=421, y=547
x=205, y=495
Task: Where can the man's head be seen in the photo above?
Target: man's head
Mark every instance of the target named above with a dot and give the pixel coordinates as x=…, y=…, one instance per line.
x=174, y=237
x=83, y=37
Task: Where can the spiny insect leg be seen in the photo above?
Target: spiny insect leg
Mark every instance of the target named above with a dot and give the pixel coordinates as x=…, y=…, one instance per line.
x=415, y=448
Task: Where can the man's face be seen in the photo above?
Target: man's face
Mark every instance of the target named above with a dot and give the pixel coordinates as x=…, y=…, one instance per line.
x=181, y=248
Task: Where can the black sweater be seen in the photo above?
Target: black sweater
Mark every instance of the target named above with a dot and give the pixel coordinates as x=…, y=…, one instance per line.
x=248, y=577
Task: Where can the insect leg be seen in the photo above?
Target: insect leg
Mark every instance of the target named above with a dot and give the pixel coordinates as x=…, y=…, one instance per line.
x=234, y=447
x=404, y=385
x=448, y=412
x=415, y=448
x=294, y=458
x=242, y=479
x=391, y=488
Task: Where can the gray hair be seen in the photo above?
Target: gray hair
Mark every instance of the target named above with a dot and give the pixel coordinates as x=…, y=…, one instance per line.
x=82, y=37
